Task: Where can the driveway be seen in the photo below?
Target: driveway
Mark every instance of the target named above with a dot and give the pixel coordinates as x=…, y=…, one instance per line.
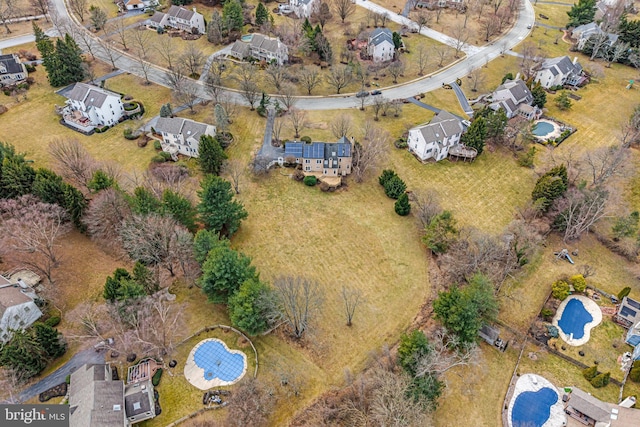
x=462, y=99
x=79, y=359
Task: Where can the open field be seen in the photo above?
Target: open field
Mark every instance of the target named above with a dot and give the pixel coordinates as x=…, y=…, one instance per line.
x=556, y=13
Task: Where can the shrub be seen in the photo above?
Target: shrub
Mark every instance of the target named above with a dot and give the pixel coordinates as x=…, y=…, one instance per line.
x=52, y=321
x=600, y=380
x=402, y=205
x=324, y=187
x=67, y=379
x=155, y=380
x=157, y=145
x=634, y=375
x=560, y=290
x=395, y=187
x=166, y=156
x=158, y=159
x=590, y=373
x=401, y=143
x=546, y=314
x=624, y=292
x=578, y=283
x=130, y=134
x=310, y=180
x=306, y=139
x=298, y=175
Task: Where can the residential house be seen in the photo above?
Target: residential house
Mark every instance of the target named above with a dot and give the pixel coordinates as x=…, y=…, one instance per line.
x=179, y=18
x=261, y=47
x=97, y=400
x=182, y=136
x=584, y=409
x=304, y=8
x=633, y=339
x=18, y=310
x=137, y=4
x=89, y=106
x=582, y=33
x=324, y=158
x=628, y=313
x=380, y=47
x=515, y=98
x=434, y=139
x=560, y=71
x=12, y=70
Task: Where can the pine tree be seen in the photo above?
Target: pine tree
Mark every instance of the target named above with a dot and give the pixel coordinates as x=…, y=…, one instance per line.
x=562, y=101
x=143, y=277
x=262, y=14
x=232, y=15
x=475, y=135
x=218, y=211
x=180, y=208
x=23, y=355
x=539, y=96
x=211, y=155
x=165, y=110
x=582, y=13
x=50, y=340
x=70, y=55
x=222, y=119
x=402, y=205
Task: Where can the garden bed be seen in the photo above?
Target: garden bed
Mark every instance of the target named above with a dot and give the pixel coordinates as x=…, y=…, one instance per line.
x=56, y=391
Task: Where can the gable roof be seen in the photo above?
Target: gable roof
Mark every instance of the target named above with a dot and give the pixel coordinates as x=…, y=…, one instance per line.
x=260, y=41
x=94, y=399
x=319, y=150
x=157, y=17
x=11, y=62
x=380, y=35
x=179, y=126
x=91, y=96
x=588, y=405
x=180, y=13
x=560, y=64
x=241, y=48
x=629, y=310
x=443, y=125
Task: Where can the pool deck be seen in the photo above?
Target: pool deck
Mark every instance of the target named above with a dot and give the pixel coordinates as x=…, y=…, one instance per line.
x=195, y=374
x=593, y=310
x=533, y=383
x=556, y=132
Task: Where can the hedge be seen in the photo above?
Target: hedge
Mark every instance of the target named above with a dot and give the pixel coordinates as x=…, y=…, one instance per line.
x=155, y=380
x=52, y=321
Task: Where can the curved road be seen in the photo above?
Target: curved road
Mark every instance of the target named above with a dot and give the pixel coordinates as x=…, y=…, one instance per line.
x=476, y=58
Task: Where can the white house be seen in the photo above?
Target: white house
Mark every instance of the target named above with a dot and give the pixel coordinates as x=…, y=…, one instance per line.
x=11, y=70
x=182, y=136
x=434, y=139
x=89, y=106
x=559, y=71
x=582, y=33
x=261, y=47
x=304, y=8
x=18, y=310
x=514, y=97
x=179, y=18
x=380, y=46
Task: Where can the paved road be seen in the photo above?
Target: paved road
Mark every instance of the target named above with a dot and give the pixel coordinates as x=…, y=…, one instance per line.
x=57, y=377
x=476, y=58
x=19, y=40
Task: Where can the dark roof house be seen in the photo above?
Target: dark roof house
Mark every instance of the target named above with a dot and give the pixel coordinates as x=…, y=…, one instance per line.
x=628, y=312
x=95, y=399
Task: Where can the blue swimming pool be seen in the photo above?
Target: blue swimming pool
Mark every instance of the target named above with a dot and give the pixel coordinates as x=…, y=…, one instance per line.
x=574, y=318
x=542, y=128
x=247, y=37
x=533, y=408
x=218, y=362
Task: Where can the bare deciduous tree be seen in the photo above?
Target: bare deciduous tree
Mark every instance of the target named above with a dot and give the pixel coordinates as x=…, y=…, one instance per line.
x=276, y=74
x=422, y=18
x=606, y=162
x=235, y=170
x=379, y=104
x=119, y=27
x=105, y=215
x=616, y=52
x=441, y=52
x=309, y=78
x=396, y=69
x=247, y=77
x=340, y=76
x=249, y=405
x=297, y=118
x=343, y=8
x=183, y=90
x=72, y=161
x=579, y=210
x=372, y=151
x=79, y=7
x=447, y=352
x=341, y=125
x=426, y=205
x=141, y=41
x=288, y=96
x=166, y=47
x=351, y=299
x=460, y=35
x=298, y=300
x=422, y=61
x=278, y=124
x=477, y=78
x=112, y=55
x=531, y=60
x=41, y=7
x=30, y=232
x=193, y=60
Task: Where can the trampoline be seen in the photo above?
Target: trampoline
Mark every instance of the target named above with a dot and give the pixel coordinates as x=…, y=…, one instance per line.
x=211, y=364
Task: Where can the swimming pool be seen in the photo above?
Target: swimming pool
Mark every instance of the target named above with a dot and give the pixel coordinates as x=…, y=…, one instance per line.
x=533, y=408
x=246, y=38
x=542, y=128
x=575, y=318
x=211, y=363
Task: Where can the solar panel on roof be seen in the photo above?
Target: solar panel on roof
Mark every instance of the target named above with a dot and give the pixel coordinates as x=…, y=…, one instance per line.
x=633, y=303
x=627, y=312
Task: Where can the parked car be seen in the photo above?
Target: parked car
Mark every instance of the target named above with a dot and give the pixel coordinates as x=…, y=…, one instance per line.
x=376, y=92
x=362, y=94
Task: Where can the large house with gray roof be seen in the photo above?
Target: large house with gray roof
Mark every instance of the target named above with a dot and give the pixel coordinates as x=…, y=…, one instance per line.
x=515, y=98
x=182, y=136
x=12, y=70
x=89, y=106
x=261, y=47
x=583, y=33
x=380, y=47
x=433, y=140
x=18, y=310
x=324, y=158
x=560, y=71
x=304, y=8
x=179, y=18
x=585, y=409
x=97, y=400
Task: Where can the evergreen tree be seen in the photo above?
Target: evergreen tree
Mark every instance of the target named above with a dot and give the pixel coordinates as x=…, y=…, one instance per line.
x=50, y=340
x=539, y=95
x=475, y=135
x=47, y=51
x=68, y=57
x=17, y=176
x=144, y=202
x=232, y=15
x=397, y=40
x=222, y=119
x=111, y=290
x=402, y=205
x=262, y=14
x=165, y=110
x=395, y=187
x=626, y=226
x=562, y=101
x=23, y=355
x=550, y=186
x=50, y=188
x=100, y=181
x=180, y=208
x=496, y=123
x=223, y=272
x=248, y=307
x=211, y=156
x=203, y=242
x=508, y=76
x=582, y=13
x=143, y=277
x=218, y=211
x=440, y=232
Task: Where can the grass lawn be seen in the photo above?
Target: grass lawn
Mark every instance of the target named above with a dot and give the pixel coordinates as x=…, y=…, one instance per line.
x=556, y=13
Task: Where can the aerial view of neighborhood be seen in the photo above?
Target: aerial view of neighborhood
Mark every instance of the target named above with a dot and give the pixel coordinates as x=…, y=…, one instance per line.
x=307, y=213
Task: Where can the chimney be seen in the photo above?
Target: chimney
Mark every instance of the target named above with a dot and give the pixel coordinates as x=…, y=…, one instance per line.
x=517, y=76
x=194, y=9
x=575, y=60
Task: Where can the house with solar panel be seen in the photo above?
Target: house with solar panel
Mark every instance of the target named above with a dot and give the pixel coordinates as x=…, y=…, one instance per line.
x=321, y=158
x=628, y=315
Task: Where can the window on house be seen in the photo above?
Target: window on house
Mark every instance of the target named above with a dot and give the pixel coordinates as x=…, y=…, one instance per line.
x=21, y=323
x=27, y=309
x=16, y=317
x=307, y=161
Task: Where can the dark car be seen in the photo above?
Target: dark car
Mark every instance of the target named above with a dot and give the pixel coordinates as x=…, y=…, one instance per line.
x=362, y=94
x=376, y=92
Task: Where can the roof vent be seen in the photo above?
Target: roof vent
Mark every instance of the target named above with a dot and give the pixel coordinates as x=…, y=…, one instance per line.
x=136, y=406
x=117, y=407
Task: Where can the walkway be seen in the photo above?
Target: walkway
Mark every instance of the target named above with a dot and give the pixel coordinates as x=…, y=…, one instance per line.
x=79, y=359
x=462, y=99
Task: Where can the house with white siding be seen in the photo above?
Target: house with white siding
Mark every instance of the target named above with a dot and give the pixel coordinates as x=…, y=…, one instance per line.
x=559, y=71
x=179, y=18
x=515, y=98
x=380, y=47
x=262, y=48
x=88, y=107
x=433, y=140
x=18, y=310
x=304, y=8
x=182, y=136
